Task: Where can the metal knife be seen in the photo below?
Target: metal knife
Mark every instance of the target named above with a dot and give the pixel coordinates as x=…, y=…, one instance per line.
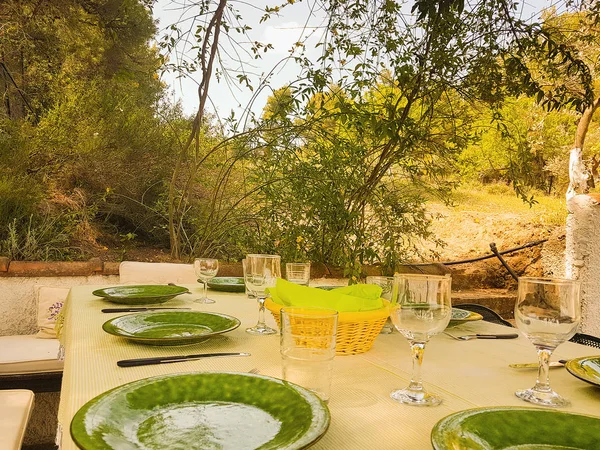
x=559, y=363
x=121, y=310
x=172, y=359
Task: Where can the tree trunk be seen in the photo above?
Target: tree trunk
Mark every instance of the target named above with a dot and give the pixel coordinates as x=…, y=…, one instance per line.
x=584, y=123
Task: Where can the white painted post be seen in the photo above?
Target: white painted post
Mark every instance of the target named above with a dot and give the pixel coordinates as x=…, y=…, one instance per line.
x=583, y=255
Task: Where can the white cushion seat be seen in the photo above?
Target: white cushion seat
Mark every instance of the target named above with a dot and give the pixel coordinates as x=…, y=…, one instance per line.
x=15, y=410
x=28, y=354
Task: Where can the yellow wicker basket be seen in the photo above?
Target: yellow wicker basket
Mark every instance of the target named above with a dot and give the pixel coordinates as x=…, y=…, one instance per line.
x=356, y=331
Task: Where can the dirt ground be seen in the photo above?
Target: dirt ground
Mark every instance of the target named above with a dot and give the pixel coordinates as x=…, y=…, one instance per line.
x=468, y=232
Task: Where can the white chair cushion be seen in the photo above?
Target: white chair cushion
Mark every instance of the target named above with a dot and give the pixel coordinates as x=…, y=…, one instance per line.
x=15, y=410
x=50, y=302
x=27, y=354
x=131, y=272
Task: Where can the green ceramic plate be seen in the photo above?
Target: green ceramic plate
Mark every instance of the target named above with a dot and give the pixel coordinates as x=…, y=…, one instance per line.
x=586, y=369
x=460, y=316
x=328, y=288
x=170, y=327
x=227, y=284
x=140, y=295
x=505, y=428
x=233, y=411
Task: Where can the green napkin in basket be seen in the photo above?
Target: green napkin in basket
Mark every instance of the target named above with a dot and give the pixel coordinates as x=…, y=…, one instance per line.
x=358, y=297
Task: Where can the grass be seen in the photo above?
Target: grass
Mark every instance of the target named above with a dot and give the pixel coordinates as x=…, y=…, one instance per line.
x=499, y=198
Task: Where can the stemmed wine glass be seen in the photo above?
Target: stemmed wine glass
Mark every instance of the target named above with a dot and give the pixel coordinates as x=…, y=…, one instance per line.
x=421, y=308
x=206, y=269
x=548, y=313
x=387, y=291
x=260, y=273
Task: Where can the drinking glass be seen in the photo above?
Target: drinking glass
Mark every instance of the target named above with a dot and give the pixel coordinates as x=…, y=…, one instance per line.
x=260, y=273
x=548, y=313
x=421, y=309
x=308, y=338
x=206, y=269
x=298, y=273
x=387, y=287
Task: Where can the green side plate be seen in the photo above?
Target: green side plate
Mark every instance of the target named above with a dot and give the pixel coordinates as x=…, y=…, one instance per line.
x=460, y=316
x=140, y=295
x=202, y=410
x=227, y=284
x=504, y=428
x=586, y=369
x=170, y=327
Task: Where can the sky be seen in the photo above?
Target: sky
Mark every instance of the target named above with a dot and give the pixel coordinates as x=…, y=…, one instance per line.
x=301, y=21
x=297, y=23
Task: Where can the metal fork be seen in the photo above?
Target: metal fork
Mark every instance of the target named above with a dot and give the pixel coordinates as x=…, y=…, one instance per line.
x=255, y=370
x=468, y=337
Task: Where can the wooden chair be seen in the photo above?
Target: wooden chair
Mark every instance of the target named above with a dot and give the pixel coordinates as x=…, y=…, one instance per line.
x=131, y=272
x=15, y=410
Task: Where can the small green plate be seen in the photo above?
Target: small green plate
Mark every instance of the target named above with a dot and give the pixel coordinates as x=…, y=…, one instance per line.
x=460, y=316
x=227, y=284
x=504, y=428
x=586, y=369
x=202, y=410
x=170, y=327
x=140, y=295
x=328, y=288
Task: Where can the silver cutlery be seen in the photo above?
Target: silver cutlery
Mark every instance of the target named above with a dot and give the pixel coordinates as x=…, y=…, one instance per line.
x=468, y=337
x=172, y=359
x=122, y=310
x=559, y=363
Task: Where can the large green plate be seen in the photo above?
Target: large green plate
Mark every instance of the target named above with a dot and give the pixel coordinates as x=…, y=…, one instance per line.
x=227, y=284
x=586, y=369
x=460, y=316
x=170, y=327
x=229, y=411
x=504, y=428
x=140, y=295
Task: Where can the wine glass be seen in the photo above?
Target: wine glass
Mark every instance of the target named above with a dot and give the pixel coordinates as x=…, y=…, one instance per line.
x=260, y=273
x=548, y=313
x=387, y=288
x=421, y=307
x=206, y=269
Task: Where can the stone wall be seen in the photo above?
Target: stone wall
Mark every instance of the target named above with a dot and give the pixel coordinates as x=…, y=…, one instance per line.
x=18, y=279
x=583, y=256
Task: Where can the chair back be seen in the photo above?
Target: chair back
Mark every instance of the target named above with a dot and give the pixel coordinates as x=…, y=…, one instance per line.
x=132, y=272
x=586, y=339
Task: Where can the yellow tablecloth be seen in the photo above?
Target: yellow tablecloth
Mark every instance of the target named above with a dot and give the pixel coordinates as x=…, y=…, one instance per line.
x=466, y=374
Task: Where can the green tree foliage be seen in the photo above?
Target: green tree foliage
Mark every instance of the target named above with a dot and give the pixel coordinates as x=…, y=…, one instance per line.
x=321, y=201
x=524, y=144
x=378, y=142
x=84, y=132
x=528, y=146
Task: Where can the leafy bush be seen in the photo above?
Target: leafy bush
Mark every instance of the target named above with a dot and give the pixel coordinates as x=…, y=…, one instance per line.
x=44, y=239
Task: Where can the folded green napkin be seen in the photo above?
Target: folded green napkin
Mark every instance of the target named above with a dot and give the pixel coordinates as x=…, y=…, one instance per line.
x=358, y=297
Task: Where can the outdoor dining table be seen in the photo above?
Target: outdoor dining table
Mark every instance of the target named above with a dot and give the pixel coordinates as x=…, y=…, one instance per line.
x=467, y=374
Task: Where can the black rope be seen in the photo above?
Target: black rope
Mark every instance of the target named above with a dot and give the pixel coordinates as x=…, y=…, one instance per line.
x=481, y=258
